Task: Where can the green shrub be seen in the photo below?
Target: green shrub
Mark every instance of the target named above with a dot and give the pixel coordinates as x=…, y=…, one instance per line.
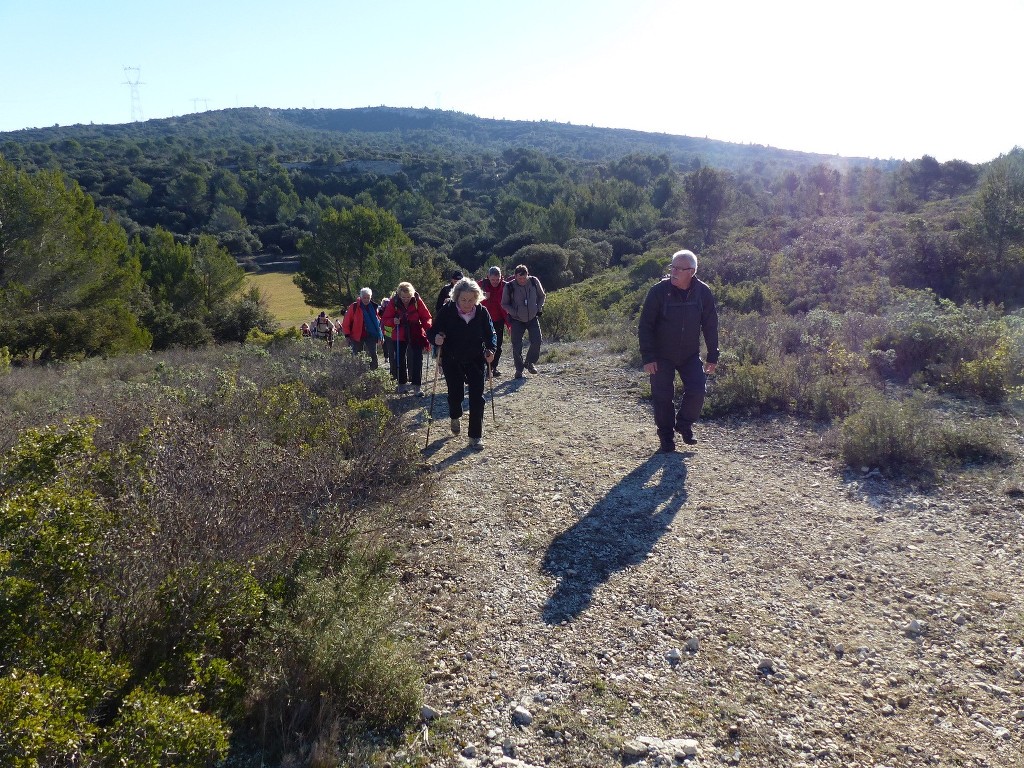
x=924, y=339
x=155, y=529
x=967, y=440
x=44, y=721
x=51, y=527
x=331, y=656
x=155, y=731
x=739, y=388
x=890, y=434
x=565, y=318
x=987, y=378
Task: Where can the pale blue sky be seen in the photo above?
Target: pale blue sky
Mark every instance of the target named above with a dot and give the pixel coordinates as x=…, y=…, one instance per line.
x=875, y=78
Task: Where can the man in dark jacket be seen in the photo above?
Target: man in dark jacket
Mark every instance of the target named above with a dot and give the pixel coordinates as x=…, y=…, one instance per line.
x=676, y=312
x=446, y=292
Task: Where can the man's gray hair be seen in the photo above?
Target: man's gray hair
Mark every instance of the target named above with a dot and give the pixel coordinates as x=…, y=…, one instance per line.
x=689, y=256
x=494, y=271
x=366, y=292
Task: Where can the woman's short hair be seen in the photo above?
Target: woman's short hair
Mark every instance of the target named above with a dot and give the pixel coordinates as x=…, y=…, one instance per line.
x=521, y=269
x=465, y=285
x=405, y=289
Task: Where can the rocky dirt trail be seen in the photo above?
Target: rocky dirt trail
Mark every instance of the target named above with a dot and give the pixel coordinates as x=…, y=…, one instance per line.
x=584, y=601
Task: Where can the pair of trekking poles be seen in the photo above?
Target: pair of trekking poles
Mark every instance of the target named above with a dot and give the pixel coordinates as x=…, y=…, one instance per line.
x=433, y=391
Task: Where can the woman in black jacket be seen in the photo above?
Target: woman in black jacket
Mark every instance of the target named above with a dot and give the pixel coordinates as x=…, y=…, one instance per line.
x=464, y=335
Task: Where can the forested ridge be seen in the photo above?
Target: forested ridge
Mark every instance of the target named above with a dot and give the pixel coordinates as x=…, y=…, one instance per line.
x=172, y=560
x=257, y=184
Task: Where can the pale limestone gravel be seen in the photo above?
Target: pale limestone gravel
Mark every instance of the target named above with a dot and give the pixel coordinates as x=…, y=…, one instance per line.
x=749, y=598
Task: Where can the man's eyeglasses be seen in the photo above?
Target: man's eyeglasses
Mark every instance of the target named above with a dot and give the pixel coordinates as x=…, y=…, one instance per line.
x=682, y=269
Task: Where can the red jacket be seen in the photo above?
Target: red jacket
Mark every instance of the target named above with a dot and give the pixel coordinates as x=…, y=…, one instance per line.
x=352, y=324
x=410, y=322
x=492, y=300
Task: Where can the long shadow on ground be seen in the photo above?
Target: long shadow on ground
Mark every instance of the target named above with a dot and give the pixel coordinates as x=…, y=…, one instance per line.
x=619, y=531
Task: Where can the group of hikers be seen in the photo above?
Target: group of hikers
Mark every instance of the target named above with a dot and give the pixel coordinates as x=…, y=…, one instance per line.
x=464, y=332
x=466, y=329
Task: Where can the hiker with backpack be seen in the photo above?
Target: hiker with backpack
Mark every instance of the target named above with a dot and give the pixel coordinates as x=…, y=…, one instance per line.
x=323, y=328
x=361, y=326
x=410, y=320
x=523, y=303
x=676, y=312
x=465, y=339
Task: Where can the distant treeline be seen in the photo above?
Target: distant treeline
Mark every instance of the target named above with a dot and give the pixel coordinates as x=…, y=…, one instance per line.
x=805, y=230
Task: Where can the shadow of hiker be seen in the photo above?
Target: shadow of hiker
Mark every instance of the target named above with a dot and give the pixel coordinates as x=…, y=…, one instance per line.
x=618, y=531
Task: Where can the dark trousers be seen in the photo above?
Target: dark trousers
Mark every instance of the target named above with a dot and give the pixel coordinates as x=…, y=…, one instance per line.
x=533, y=353
x=407, y=364
x=367, y=345
x=499, y=334
x=663, y=382
x=389, y=352
x=457, y=373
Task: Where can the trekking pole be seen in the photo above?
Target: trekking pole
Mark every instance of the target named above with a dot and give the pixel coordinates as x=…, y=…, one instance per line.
x=433, y=391
x=490, y=380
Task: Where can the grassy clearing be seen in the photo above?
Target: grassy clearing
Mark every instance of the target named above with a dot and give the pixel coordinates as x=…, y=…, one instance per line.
x=284, y=299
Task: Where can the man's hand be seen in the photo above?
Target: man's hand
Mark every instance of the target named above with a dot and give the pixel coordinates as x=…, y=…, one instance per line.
x=651, y=368
x=488, y=355
x=710, y=367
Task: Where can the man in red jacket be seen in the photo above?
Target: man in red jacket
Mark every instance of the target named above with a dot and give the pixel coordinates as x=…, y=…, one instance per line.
x=494, y=287
x=361, y=326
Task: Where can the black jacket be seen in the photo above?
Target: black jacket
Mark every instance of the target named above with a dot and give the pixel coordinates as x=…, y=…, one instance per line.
x=442, y=297
x=672, y=321
x=464, y=342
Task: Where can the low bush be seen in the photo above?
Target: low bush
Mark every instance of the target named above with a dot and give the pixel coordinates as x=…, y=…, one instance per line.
x=144, y=545
x=893, y=435
x=328, y=656
x=909, y=436
x=565, y=318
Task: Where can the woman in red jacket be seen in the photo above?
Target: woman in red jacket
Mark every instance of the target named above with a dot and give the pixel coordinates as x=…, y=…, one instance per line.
x=410, y=320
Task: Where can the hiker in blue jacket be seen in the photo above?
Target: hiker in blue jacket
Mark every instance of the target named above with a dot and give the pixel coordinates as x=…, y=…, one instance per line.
x=675, y=313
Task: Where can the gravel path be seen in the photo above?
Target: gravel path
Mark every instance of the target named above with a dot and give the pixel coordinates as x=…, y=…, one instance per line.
x=584, y=601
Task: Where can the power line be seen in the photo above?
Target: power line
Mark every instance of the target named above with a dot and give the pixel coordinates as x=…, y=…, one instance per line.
x=132, y=75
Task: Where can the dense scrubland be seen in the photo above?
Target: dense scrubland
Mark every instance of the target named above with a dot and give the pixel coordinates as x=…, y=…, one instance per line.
x=190, y=560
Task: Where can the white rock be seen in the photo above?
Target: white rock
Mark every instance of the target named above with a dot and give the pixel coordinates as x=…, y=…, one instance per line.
x=521, y=716
x=634, y=749
x=689, y=747
x=428, y=713
x=915, y=627
x=674, y=655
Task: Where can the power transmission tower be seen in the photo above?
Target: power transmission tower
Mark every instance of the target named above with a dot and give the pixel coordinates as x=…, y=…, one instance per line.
x=196, y=101
x=132, y=75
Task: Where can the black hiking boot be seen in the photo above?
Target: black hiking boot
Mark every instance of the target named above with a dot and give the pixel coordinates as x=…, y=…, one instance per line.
x=686, y=431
